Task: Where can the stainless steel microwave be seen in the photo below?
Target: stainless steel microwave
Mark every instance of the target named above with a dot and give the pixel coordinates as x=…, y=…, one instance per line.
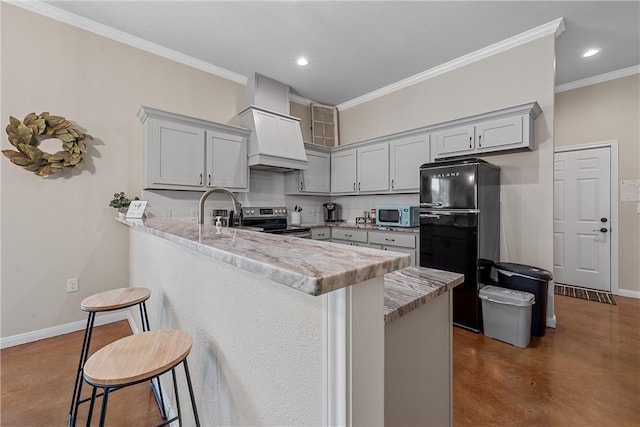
x=398, y=216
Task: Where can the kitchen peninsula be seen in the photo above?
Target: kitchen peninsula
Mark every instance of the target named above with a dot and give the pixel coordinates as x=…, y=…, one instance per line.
x=286, y=331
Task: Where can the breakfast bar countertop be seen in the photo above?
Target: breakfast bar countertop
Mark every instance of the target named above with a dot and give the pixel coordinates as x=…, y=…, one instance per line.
x=407, y=289
x=311, y=266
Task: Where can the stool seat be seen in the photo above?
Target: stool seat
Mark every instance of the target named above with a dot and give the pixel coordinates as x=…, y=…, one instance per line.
x=115, y=299
x=137, y=357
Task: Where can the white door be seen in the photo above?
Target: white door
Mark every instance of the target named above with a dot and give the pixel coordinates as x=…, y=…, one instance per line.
x=582, y=218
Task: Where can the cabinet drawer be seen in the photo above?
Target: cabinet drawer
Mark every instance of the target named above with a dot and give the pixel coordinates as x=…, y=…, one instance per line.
x=321, y=233
x=350, y=235
x=405, y=240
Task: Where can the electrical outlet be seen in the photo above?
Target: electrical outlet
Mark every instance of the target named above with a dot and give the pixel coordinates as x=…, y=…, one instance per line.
x=72, y=285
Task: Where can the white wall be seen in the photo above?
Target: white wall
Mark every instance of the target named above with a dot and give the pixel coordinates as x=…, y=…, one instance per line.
x=522, y=74
x=604, y=112
x=61, y=227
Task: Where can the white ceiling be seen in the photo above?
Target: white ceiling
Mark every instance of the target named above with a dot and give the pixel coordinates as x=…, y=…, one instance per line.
x=356, y=47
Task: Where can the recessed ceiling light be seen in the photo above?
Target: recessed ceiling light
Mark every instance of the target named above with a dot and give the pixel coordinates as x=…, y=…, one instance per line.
x=302, y=61
x=590, y=52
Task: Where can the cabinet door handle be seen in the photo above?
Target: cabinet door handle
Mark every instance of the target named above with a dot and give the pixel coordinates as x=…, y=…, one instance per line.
x=470, y=139
x=392, y=184
x=301, y=185
x=321, y=234
x=354, y=186
x=479, y=140
x=389, y=240
x=209, y=179
x=200, y=179
x=348, y=235
x=358, y=186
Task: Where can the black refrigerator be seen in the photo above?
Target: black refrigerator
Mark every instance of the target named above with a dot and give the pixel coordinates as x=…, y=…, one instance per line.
x=460, y=227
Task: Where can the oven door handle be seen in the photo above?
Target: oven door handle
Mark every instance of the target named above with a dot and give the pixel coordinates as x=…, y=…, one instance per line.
x=426, y=215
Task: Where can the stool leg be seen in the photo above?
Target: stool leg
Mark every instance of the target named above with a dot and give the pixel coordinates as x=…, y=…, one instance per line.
x=193, y=399
x=175, y=388
x=103, y=412
x=93, y=400
x=143, y=317
x=155, y=382
x=84, y=353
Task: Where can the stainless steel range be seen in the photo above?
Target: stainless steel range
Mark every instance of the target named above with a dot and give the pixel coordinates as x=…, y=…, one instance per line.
x=273, y=221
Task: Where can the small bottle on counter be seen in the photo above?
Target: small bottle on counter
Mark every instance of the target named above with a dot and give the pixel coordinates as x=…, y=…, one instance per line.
x=373, y=215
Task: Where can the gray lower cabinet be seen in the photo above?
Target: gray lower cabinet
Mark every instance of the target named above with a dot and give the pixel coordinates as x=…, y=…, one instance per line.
x=348, y=235
x=323, y=233
x=398, y=241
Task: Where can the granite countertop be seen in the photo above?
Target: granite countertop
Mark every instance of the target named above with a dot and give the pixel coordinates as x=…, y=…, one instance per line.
x=371, y=227
x=311, y=266
x=409, y=288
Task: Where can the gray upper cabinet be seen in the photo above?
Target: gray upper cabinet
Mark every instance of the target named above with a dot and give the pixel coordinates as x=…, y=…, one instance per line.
x=373, y=168
x=176, y=154
x=343, y=171
x=226, y=160
x=360, y=170
x=185, y=153
x=313, y=180
x=406, y=155
x=507, y=129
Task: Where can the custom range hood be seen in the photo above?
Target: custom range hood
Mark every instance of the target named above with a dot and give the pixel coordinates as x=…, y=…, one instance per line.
x=276, y=142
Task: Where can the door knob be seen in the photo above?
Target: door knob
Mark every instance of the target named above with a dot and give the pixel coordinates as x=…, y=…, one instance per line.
x=602, y=230
x=603, y=219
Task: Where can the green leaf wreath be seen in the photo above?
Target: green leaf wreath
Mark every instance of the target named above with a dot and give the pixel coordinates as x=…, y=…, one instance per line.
x=27, y=135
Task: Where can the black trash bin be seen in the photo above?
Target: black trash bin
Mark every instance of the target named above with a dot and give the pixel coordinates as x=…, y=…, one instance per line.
x=528, y=279
x=484, y=272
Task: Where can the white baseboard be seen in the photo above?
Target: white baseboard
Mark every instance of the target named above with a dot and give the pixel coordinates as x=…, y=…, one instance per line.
x=627, y=293
x=551, y=321
x=54, y=331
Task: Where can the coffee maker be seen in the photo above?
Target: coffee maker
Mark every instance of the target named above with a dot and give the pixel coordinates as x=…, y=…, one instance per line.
x=331, y=212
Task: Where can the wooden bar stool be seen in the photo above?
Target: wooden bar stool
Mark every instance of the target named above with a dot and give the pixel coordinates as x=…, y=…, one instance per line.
x=135, y=359
x=115, y=299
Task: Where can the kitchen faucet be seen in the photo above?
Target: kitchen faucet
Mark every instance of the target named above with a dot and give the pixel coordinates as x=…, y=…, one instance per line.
x=237, y=207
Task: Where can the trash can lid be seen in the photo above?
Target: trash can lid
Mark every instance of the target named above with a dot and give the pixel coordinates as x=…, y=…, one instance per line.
x=483, y=262
x=525, y=270
x=506, y=296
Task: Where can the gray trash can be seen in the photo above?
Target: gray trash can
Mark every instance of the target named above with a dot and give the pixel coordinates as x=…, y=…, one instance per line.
x=530, y=279
x=507, y=314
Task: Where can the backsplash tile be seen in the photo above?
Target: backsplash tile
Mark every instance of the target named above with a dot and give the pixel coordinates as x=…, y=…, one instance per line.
x=267, y=189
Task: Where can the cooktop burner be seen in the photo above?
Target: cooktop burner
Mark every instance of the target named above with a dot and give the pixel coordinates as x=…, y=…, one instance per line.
x=272, y=220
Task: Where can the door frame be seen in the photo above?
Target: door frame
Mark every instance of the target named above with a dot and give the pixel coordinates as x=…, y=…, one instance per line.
x=613, y=147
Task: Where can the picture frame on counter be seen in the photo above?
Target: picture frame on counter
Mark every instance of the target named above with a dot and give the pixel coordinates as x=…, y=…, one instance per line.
x=136, y=209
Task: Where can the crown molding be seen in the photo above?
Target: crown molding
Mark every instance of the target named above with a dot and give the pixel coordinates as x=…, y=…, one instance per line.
x=65, y=17
x=554, y=27
x=600, y=78
x=299, y=99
